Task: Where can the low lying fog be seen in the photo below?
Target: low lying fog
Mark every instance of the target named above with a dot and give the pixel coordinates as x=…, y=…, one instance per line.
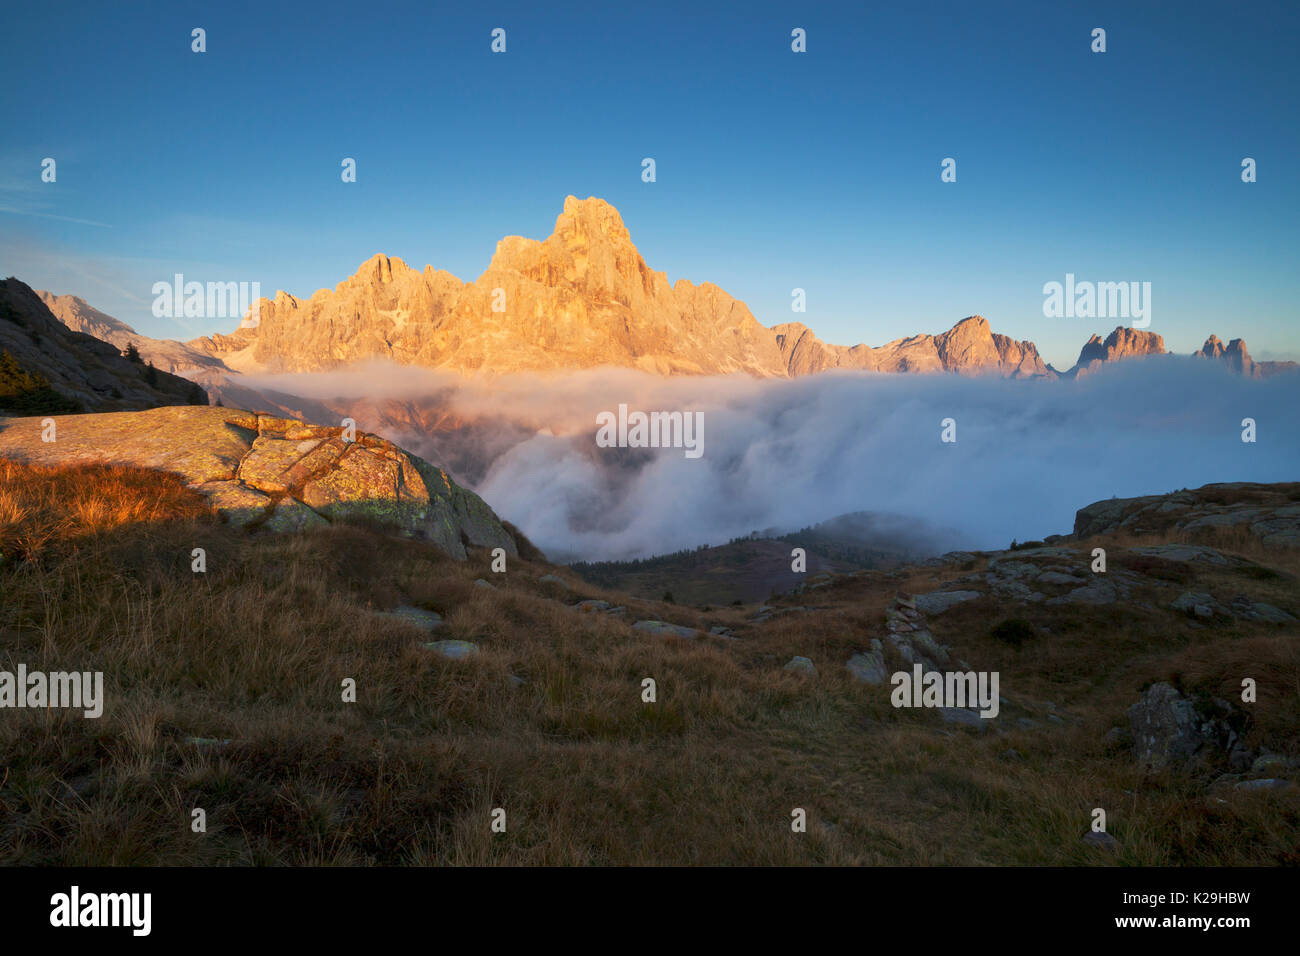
x=787, y=454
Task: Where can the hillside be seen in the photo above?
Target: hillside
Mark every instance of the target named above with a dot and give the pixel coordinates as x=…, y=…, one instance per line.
x=1228, y=512
x=754, y=568
x=164, y=354
x=523, y=690
x=741, y=571
x=45, y=367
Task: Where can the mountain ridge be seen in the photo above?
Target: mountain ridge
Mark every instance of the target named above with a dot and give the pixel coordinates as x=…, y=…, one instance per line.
x=168, y=355
x=47, y=367
x=585, y=297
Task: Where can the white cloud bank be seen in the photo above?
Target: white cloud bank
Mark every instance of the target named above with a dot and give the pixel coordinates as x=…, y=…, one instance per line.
x=787, y=454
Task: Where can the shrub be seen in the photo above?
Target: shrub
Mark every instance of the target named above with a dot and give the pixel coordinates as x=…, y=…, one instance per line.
x=7, y=312
x=30, y=393
x=1013, y=631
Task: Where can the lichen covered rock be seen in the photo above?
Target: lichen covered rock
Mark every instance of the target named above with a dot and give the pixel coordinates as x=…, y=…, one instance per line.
x=273, y=473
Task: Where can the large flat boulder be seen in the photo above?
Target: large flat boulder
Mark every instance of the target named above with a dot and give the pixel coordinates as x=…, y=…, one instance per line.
x=936, y=602
x=200, y=443
x=276, y=473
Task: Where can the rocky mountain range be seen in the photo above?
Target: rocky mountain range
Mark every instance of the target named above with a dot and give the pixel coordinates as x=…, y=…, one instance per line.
x=969, y=347
x=581, y=298
x=1125, y=343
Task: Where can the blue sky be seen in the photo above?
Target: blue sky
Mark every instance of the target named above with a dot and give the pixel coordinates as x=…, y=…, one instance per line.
x=775, y=170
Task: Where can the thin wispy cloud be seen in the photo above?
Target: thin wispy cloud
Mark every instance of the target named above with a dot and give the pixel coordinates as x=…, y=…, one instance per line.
x=46, y=215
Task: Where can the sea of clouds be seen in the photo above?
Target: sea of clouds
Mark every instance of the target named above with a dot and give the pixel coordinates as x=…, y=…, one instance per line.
x=790, y=453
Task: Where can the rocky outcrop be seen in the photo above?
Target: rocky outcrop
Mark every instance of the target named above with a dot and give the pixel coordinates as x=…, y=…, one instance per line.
x=1236, y=357
x=869, y=667
x=936, y=602
x=165, y=354
x=1269, y=512
x=1123, y=343
x=910, y=635
x=1173, y=732
x=51, y=368
x=665, y=629
x=275, y=473
x=1203, y=605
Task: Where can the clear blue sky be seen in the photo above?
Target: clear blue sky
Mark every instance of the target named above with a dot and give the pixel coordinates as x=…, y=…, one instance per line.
x=775, y=170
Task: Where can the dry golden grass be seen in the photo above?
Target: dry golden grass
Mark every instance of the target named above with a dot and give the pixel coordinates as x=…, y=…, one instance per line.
x=42, y=505
x=255, y=651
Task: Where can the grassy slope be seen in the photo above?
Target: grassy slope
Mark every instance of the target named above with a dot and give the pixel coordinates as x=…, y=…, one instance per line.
x=98, y=578
x=739, y=571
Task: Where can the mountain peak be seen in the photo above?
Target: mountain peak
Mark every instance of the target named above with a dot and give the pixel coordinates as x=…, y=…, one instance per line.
x=1234, y=355
x=1121, y=344
x=591, y=218
x=78, y=315
x=587, y=232
x=379, y=268
x=591, y=206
